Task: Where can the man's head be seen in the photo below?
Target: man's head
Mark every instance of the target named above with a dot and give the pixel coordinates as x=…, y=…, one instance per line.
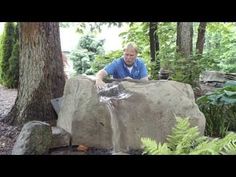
x=130, y=53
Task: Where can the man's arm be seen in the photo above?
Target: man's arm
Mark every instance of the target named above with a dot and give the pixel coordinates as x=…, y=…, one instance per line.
x=99, y=78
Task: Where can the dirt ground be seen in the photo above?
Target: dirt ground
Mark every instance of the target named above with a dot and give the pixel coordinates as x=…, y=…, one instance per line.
x=8, y=134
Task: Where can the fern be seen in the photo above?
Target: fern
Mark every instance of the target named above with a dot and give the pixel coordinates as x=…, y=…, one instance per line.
x=187, y=140
x=183, y=138
x=151, y=147
x=228, y=144
x=206, y=148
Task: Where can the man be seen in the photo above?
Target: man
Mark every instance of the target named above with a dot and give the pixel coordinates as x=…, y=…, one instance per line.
x=126, y=67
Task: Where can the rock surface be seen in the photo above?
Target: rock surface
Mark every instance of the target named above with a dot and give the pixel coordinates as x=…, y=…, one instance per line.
x=149, y=112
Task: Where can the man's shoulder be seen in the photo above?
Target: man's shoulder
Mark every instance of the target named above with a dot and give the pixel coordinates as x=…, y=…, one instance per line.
x=140, y=60
x=118, y=60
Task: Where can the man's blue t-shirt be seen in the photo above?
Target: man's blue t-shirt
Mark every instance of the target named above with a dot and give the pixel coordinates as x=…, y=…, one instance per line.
x=119, y=70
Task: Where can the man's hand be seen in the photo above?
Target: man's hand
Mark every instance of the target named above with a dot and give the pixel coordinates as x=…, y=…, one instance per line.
x=99, y=79
x=100, y=84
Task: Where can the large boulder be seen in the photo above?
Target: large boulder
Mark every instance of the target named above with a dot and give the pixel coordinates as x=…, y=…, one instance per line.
x=148, y=111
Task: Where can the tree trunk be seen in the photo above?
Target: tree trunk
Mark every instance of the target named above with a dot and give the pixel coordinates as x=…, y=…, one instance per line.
x=154, y=49
x=184, y=38
x=41, y=76
x=201, y=37
x=154, y=44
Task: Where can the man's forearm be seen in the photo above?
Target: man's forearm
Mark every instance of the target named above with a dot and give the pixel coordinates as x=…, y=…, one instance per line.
x=101, y=74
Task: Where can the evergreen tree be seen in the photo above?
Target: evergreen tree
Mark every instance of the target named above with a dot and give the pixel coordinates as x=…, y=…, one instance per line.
x=13, y=72
x=7, y=43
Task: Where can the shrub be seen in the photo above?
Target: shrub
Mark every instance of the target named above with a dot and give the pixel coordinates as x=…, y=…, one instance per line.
x=219, y=109
x=7, y=43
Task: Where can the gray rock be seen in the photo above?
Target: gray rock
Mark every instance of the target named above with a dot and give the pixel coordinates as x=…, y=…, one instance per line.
x=60, y=137
x=56, y=103
x=34, y=139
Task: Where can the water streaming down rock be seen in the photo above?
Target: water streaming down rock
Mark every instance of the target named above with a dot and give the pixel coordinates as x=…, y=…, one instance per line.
x=111, y=95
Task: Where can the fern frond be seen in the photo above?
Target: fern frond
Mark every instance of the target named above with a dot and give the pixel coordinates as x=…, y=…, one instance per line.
x=183, y=137
x=207, y=147
x=151, y=147
x=228, y=144
x=188, y=141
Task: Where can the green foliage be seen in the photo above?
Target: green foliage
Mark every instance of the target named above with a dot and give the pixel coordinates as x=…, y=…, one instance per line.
x=102, y=60
x=9, y=57
x=216, y=123
x=91, y=44
x=7, y=44
x=219, y=109
x=186, y=70
x=0, y=55
x=167, y=39
x=187, y=140
x=152, y=148
x=89, y=27
x=226, y=95
x=220, y=47
x=13, y=72
x=85, y=54
x=183, y=137
x=182, y=69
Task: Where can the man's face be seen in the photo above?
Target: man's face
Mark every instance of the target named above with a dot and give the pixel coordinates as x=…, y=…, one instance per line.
x=130, y=56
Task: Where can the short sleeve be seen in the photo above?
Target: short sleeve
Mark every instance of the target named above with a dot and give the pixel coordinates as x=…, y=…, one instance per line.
x=110, y=68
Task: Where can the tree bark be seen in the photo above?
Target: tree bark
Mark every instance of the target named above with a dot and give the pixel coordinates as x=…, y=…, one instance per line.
x=154, y=49
x=154, y=43
x=185, y=38
x=41, y=76
x=201, y=37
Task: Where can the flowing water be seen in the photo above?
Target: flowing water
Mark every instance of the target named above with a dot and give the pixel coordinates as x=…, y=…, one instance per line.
x=111, y=95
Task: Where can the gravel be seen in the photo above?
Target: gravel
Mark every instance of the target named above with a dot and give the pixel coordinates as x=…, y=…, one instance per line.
x=7, y=100
x=8, y=134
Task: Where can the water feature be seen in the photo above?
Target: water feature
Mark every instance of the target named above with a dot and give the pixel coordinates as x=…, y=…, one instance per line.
x=111, y=95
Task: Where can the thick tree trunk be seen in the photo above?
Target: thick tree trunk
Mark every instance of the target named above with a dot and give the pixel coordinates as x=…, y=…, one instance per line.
x=184, y=38
x=154, y=49
x=201, y=37
x=42, y=75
